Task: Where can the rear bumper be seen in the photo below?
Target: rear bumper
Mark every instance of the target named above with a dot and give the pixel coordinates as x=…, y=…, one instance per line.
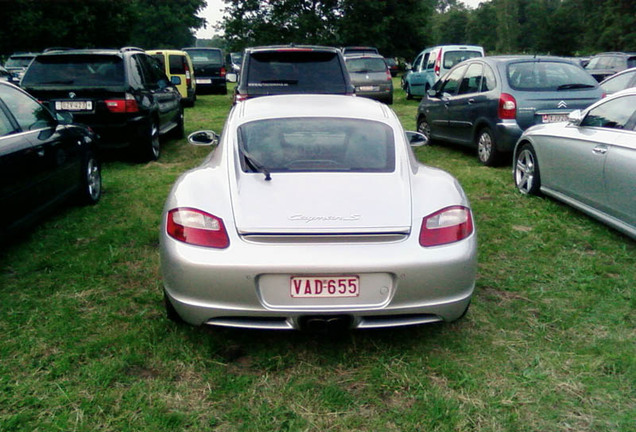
x=118, y=134
x=507, y=132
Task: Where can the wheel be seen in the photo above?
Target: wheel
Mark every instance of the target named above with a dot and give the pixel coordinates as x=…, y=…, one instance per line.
x=409, y=96
x=171, y=312
x=150, y=148
x=179, y=131
x=486, y=148
x=91, y=182
x=424, y=128
x=526, y=171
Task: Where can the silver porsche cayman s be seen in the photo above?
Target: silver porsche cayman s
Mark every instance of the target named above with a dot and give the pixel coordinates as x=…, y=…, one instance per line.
x=312, y=210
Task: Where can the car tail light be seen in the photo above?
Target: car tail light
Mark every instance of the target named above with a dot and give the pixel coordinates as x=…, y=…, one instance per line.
x=388, y=75
x=188, y=75
x=448, y=225
x=438, y=64
x=126, y=105
x=223, y=72
x=197, y=228
x=507, y=107
x=239, y=97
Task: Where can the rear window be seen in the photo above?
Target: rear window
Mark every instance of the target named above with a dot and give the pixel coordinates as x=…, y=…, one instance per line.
x=278, y=72
x=548, y=76
x=365, y=65
x=206, y=56
x=177, y=64
x=318, y=145
x=451, y=58
x=76, y=70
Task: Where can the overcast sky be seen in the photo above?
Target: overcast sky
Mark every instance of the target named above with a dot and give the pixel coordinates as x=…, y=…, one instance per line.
x=214, y=11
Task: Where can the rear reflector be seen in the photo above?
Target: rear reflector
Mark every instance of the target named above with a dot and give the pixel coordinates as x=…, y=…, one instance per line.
x=448, y=225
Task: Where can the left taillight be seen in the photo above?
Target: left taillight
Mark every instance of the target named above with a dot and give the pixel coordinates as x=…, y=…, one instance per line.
x=196, y=227
x=448, y=225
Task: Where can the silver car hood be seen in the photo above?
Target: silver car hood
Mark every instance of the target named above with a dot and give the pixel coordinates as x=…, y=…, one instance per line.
x=309, y=203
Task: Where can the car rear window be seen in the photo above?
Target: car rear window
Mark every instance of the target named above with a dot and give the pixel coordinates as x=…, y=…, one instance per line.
x=548, y=76
x=318, y=145
x=365, y=65
x=206, y=56
x=75, y=70
x=276, y=72
x=451, y=58
x=177, y=64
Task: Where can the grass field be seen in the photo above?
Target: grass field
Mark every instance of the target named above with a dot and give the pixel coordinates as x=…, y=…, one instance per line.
x=548, y=345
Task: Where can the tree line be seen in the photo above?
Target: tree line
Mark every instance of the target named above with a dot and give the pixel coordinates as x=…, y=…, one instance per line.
x=398, y=28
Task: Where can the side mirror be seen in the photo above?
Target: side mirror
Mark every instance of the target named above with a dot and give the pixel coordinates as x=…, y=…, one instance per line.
x=203, y=138
x=231, y=77
x=416, y=139
x=575, y=117
x=175, y=80
x=432, y=93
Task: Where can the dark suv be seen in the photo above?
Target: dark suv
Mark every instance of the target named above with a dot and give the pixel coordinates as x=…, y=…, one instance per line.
x=292, y=69
x=124, y=95
x=209, y=69
x=606, y=64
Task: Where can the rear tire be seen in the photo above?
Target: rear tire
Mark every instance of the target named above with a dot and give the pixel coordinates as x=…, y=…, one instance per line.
x=424, y=128
x=179, y=131
x=526, y=172
x=91, y=182
x=486, y=147
x=409, y=96
x=150, y=149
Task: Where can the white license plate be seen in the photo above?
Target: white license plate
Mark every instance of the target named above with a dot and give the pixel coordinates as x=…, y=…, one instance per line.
x=73, y=105
x=324, y=286
x=203, y=81
x=554, y=118
x=369, y=88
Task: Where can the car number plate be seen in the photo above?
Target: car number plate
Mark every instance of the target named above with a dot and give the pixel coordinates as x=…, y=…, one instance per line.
x=554, y=118
x=369, y=88
x=203, y=81
x=324, y=286
x=73, y=105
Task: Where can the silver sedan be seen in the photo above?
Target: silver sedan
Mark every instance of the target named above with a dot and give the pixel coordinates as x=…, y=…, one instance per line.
x=588, y=162
x=313, y=212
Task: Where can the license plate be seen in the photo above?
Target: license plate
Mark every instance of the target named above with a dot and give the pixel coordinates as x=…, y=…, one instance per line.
x=369, y=88
x=203, y=81
x=554, y=118
x=73, y=105
x=324, y=286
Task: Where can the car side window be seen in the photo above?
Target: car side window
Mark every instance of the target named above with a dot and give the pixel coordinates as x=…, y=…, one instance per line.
x=454, y=80
x=618, y=82
x=5, y=125
x=614, y=114
x=417, y=63
x=425, y=61
x=29, y=114
x=488, y=82
x=431, y=60
x=471, y=82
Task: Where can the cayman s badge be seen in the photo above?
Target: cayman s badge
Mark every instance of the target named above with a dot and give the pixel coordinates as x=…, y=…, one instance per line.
x=308, y=219
x=562, y=104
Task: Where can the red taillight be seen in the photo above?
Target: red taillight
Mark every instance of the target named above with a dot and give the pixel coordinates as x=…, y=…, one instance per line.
x=238, y=97
x=388, y=75
x=197, y=228
x=507, y=107
x=223, y=72
x=188, y=75
x=126, y=105
x=446, y=226
x=438, y=63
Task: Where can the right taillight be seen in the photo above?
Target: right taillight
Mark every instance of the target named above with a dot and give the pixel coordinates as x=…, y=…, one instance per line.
x=438, y=64
x=448, y=225
x=507, y=107
x=196, y=227
x=126, y=105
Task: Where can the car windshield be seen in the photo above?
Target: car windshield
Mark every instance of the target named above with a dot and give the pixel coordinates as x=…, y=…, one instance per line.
x=548, y=76
x=295, y=72
x=365, y=65
x=451, y=58
x=76, y=70
x=317, y=145
x=205, y=56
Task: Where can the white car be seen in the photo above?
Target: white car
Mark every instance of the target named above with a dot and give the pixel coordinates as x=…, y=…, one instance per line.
x=313, y=212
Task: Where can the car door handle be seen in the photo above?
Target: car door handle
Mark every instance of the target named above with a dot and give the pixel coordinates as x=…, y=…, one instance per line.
x=600, y=150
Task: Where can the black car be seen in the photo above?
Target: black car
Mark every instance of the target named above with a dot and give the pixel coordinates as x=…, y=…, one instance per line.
x=606, y=64
x=291, y=69
x=209, y=69
x=18, y=63
x=124, y=95
x=43, y=160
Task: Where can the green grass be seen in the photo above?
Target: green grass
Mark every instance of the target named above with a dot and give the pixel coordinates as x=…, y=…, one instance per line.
x=548, y=345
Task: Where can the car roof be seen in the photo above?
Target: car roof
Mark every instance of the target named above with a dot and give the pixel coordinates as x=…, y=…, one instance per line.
x=92, y=51
x=166, y=51
x=358, y=56
x=311, y=105
x=291, y=48
x=511, y=58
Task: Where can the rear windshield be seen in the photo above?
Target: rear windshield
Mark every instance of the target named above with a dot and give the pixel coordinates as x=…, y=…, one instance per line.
x=451, y=58
x=365, y=65
x=205, y=56
x=318, y=145
x=295, y=72
x=76, y=70
x=548, y=76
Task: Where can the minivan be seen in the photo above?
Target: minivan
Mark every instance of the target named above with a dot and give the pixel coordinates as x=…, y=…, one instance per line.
x=178, y=67
x=433, y=63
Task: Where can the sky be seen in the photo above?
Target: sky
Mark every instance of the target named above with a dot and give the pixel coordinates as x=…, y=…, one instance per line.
x=214, y=11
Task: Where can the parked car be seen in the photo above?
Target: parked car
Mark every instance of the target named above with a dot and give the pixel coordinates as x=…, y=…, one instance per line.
x=178, y=68
x=357, y=50
x=371, y=77
x=209, y=69
x=604, y=65
x=235, y=59
x=433, y=63
x=124, y=95
x=286, y=69
x=619, y=81
x=588, y=162
x=18, y=63
x=5, y=75
x=44, y=160
x=394, y=68
x=488, y=102
x=320, y=215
